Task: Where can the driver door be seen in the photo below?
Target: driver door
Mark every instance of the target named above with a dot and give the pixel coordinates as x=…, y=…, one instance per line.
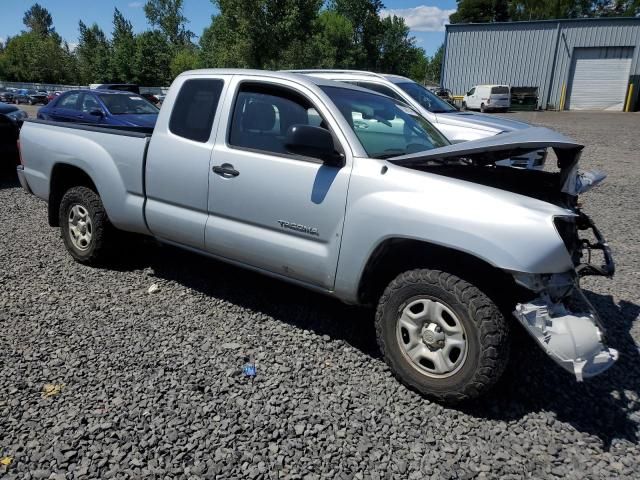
x=270, y=209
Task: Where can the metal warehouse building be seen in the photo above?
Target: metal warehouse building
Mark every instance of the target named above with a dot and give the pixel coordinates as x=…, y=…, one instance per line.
x=577, y=64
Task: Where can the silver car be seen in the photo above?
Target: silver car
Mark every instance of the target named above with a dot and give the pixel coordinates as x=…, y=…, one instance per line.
x=455, y=125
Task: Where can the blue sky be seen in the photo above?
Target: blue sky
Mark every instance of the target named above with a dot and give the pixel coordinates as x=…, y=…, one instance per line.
x=425, y=17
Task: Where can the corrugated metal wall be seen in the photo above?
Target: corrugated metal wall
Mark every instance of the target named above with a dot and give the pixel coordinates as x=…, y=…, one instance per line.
x=530, y=54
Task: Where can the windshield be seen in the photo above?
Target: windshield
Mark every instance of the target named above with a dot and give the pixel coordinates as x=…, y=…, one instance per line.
x=426, y=98
x=386, y=128
x=127, y=105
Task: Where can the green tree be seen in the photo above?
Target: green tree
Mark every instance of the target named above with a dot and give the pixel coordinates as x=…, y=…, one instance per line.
x=93, y=54
x=152, y=59
x=364, y=16
x=38, y=20
x=548, y=9
x=30, y=57
x=167, y=16
x=418, y=66
x=476, y=11
x=434, y=66
x=123, y=44
x=259, y=33
x=183, y=60
x=397, y=49
x=332, y=44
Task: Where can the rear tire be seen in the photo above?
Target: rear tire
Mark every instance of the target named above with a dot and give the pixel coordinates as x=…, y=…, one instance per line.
x=482, y=108
x=86, y=230
x=419, y=343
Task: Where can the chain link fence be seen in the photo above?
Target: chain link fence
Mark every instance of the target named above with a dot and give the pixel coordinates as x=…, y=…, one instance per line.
x=54, y=87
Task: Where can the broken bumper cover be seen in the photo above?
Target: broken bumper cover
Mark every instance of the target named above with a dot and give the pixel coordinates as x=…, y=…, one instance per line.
x=573, y=339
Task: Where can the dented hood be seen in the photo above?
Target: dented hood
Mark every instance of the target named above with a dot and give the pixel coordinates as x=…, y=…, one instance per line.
x=488, y=151
x=500, y=147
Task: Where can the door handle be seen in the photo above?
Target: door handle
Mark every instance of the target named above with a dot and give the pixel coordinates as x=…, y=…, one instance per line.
x=226, y=170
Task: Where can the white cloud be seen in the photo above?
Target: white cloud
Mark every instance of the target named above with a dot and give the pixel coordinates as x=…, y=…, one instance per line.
x=423, y=18
x=1, y=39
x=135, y=4
x=72, y=45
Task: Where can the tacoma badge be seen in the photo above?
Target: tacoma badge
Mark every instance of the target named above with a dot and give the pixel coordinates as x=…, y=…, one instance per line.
x=298, y=228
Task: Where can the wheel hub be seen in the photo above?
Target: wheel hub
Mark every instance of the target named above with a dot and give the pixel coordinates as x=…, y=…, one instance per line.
x=433, y=336
x=80, y=227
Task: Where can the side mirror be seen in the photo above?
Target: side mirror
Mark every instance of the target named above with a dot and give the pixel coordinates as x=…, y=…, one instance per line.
x=316, y=142
x=96, y=112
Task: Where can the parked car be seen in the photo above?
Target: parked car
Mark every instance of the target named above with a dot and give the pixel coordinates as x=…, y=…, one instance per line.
x=101, y=107
x=52, y=95
x=455, y=125
x=11, y=118
x=30, y=97
x=351, y=193
x=7, y=96
x=487, y=98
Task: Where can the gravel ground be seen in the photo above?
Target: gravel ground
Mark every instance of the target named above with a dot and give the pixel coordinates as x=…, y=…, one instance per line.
x=101, y=379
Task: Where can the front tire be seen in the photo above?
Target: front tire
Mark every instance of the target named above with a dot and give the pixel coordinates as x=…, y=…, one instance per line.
x=464, y=106
x=441, y=335
x=85, y=227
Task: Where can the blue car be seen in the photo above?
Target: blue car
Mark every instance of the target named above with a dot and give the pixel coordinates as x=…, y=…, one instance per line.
x=101, y=107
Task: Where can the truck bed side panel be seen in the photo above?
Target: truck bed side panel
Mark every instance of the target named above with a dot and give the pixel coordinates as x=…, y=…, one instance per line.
x=113, y=162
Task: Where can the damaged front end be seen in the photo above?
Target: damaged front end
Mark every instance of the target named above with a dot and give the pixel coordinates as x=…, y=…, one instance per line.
x=559, y=316
x=565, y=324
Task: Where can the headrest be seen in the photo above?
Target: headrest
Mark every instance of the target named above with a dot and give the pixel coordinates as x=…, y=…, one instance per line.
x=258, y=116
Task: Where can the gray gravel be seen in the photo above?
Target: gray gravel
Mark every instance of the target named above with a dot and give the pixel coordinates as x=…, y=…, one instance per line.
x=151, y=383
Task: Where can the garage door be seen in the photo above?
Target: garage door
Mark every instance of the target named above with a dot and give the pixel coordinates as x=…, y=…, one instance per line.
x=600, y=78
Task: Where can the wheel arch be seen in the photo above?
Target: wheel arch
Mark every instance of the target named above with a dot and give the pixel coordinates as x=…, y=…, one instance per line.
x=63, y=177
x=396, y=255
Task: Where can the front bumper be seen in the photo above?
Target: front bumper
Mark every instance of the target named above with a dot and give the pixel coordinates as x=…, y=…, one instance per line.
x=23, y=179
x=566, y=325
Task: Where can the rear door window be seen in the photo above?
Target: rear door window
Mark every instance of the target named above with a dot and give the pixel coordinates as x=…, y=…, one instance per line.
x=69, y=101
x=195, y=108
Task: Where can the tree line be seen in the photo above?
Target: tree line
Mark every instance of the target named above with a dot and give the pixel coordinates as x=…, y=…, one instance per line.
x=264, y=34
x=481, y=11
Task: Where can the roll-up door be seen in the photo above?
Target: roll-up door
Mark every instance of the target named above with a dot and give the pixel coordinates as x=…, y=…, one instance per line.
x=599, y=78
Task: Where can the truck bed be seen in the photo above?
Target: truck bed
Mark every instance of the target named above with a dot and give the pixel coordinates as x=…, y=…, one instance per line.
x=113, y=157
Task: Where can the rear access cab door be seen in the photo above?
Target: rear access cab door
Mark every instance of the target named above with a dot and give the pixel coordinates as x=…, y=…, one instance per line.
x=178, y=159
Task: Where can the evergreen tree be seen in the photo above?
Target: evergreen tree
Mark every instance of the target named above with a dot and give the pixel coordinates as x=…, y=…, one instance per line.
x=124, y=48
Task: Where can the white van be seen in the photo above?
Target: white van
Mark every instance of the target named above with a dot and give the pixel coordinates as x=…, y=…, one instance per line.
x=488, y=97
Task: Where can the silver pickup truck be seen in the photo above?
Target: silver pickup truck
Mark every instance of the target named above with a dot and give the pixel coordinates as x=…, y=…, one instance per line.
x=350, y=193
